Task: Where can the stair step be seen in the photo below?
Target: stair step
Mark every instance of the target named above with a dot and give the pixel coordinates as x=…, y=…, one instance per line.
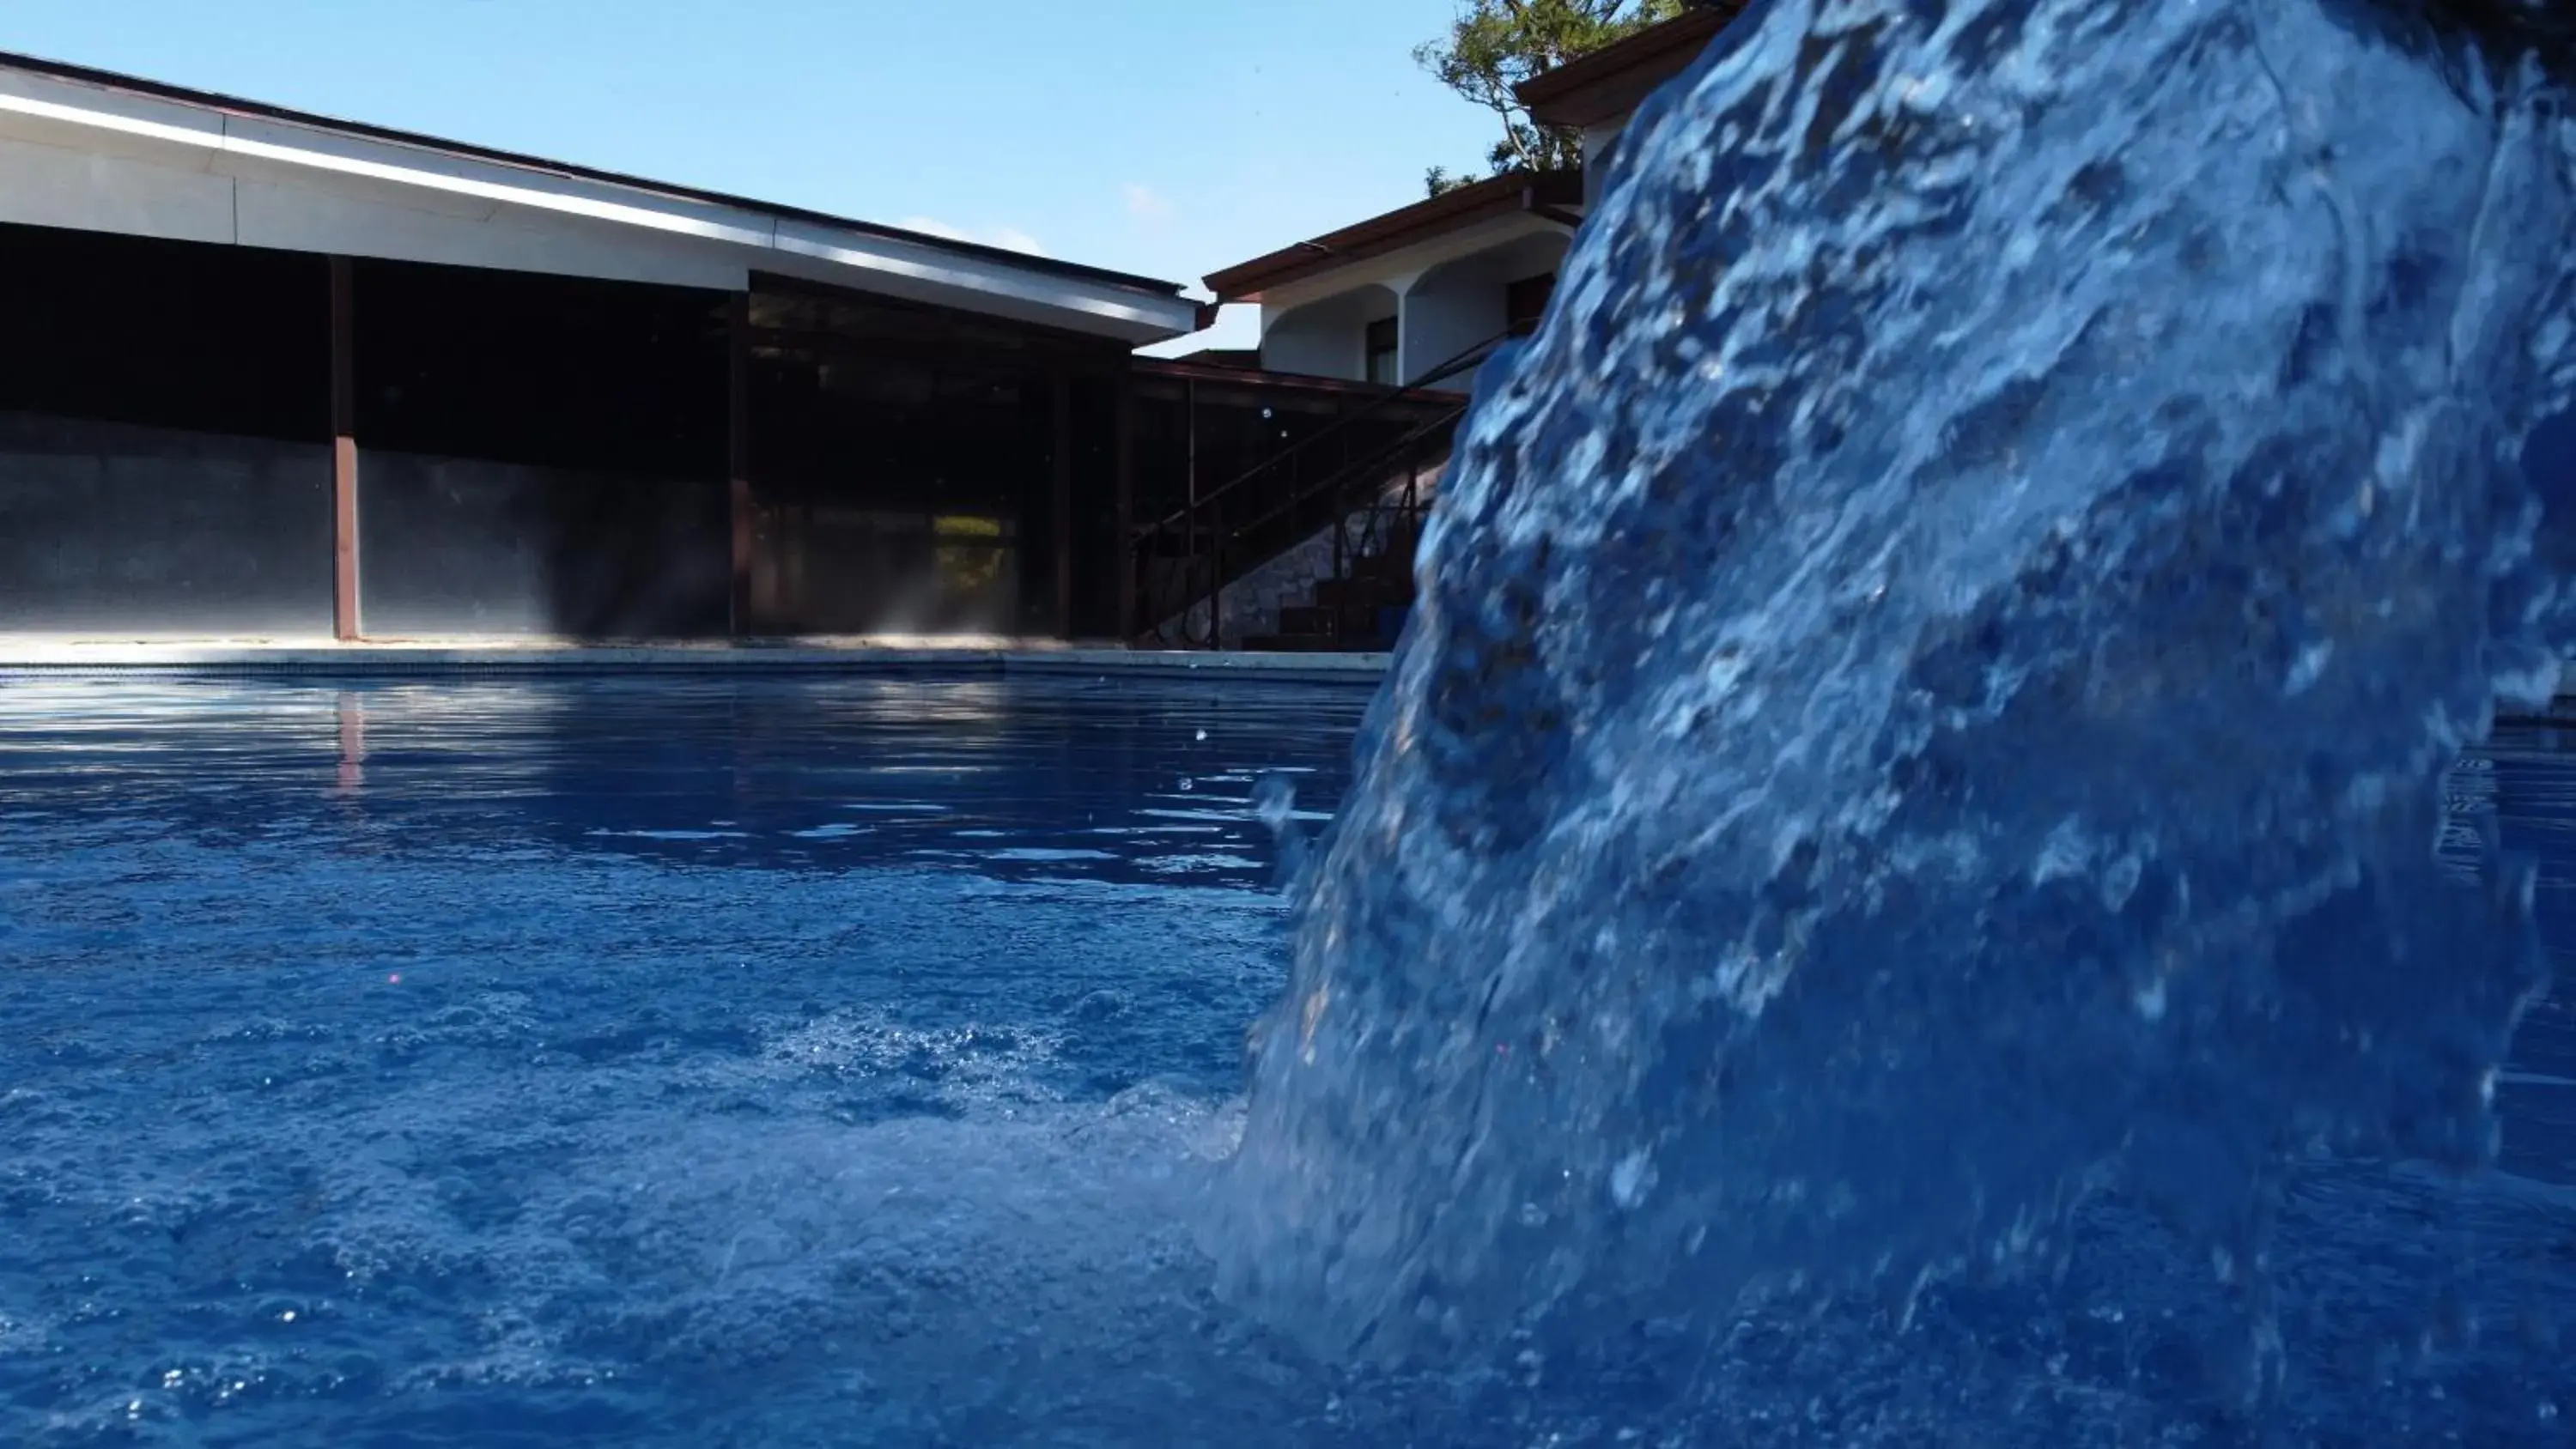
x=1386, y=567
x=1365, y=593
x=1294, y=644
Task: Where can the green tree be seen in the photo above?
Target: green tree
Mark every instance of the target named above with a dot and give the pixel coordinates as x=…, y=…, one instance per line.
x=1494, y=45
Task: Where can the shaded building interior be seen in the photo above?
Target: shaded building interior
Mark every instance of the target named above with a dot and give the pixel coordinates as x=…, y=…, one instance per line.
x=571, y=457
x=920, y=472
x=165, y=444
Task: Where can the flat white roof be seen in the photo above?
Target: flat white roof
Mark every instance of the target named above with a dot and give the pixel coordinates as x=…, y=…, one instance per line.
x=94, y=151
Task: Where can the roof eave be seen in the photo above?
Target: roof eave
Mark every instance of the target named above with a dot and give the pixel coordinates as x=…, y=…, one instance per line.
x=560, y=170
x=1611, y=82
x=1545, y=193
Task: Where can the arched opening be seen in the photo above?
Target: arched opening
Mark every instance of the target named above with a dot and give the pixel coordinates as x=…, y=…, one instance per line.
x=1458, y=307
x=1341, y=336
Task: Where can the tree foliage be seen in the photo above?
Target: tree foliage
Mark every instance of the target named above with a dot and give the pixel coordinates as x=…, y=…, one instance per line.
x=1494, y=45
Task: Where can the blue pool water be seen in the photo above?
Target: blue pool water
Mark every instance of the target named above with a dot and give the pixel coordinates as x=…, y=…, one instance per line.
x=1890, y=896
x=531, y=1063
x=827, y=1062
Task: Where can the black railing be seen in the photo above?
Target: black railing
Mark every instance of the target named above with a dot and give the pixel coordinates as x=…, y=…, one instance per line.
x=1206, y=563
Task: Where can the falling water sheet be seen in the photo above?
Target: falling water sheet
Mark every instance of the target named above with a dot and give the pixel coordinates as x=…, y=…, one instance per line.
x=1920, y=756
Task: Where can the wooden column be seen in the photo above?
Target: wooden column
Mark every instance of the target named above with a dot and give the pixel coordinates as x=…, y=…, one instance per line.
x=1129, y=573
x=345, y=624
x=1190, y=483
x=1063, y=508
x=738, y=457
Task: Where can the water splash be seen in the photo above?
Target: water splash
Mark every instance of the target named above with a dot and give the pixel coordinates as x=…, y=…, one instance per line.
x=1934, y=677
x=1274, y=804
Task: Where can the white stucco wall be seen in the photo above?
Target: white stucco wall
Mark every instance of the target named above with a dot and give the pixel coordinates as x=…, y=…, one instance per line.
x=1327, y=337
x=1456, y=306
x=1598, y=141
x=1444, y=318
x=1447, y=293
x=1314, y=343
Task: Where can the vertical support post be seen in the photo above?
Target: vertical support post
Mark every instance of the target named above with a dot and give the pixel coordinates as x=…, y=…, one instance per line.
x=1190, y=404
x=1216, y=574
x=1190, y=498
x=1341, y=526
x=345, y=623
x=738, y=611
x=1063, y=507
x=1130, y=572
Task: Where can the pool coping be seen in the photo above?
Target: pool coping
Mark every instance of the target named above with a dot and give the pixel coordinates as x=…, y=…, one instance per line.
x=376, y=658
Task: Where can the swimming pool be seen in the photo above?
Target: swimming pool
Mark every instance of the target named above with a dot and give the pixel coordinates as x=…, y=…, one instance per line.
x=787, y=1062
x=506, y=1063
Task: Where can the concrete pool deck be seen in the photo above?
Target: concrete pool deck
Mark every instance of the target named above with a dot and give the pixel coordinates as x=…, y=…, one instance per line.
x=29, y=654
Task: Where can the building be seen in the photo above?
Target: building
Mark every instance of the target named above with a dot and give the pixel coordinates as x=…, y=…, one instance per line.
x=1416, y=295
x=273, y=374
x=1412, y=300
x=280, y=375
x=1595, y=95
x=1408, y=296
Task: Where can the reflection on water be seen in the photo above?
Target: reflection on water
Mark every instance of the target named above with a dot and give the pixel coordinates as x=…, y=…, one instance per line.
x=1018, y=779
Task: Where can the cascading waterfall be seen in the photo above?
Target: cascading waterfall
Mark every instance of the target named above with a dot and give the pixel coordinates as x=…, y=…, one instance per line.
x=1934, y=676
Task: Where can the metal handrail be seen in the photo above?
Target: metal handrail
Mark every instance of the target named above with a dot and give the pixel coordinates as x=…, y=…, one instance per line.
x=1452, y=367
x=1339, y=482
x=1340, y=479
x=1335, y=483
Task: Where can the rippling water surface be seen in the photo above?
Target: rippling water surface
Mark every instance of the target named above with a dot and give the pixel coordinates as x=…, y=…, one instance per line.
x=1890, y=898
x=518, y=1063
x=803, y=1062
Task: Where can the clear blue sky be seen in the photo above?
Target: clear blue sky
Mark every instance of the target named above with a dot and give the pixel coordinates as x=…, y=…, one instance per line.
x=1168, y=137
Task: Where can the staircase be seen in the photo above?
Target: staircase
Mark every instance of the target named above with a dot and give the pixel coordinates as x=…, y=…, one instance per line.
x=1193, y=568
x=1363, y=603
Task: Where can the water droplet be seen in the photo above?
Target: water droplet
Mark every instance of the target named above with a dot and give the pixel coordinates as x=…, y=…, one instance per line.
x=1630, y=1180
